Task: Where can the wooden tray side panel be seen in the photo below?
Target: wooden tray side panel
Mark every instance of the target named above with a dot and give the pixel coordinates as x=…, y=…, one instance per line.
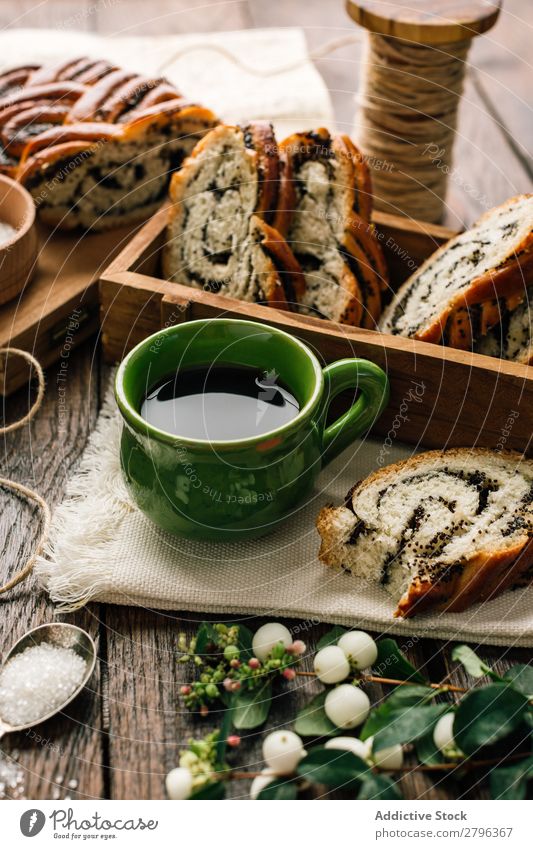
x=439, y=397
x=58, y=309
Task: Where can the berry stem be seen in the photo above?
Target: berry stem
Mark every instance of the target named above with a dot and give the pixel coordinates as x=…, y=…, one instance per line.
x=377, y=679
x=445, y=767
x=464, y=764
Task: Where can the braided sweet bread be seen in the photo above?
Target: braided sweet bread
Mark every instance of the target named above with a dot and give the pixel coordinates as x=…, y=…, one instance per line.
x=324, y=211
x=463, y=289
x=441, y=530
x=95, y=145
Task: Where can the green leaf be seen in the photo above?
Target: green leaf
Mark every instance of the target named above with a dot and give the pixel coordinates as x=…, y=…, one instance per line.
x=391, y=663
x=510, y=782
x=520, y=677
x=331, y=637
x=311, y=720
x=225, y=728
x=281, y=789
x=378, y=787
x=427, y=752
x=333, y=767
x=244, y=640
x=205, y=635
x=213, y=790
x=408, y=724
x=251, y=707
x=406, y=695
x=471, y=661
x=487, y=715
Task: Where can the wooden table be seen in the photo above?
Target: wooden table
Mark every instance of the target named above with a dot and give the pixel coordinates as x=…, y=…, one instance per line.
x=119, y=740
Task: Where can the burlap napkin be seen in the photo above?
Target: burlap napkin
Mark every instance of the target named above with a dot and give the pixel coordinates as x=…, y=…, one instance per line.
x=103, y=548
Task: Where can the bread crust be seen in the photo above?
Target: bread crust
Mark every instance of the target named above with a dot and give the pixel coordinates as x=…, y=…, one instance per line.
x=80, y=101
x=260, y=138
x=510, y=279
x=483, y=575
x=285, y=281
x=293, y=280
x=505, y=281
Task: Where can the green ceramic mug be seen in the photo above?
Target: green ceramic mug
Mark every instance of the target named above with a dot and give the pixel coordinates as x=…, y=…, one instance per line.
x=237, y=489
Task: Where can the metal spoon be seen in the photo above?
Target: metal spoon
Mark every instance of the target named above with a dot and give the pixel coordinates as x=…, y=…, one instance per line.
x=58, y=634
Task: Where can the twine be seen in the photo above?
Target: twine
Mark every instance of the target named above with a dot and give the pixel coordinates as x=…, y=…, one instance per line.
x=19, y=488
x=313, y=55
x=406, y=121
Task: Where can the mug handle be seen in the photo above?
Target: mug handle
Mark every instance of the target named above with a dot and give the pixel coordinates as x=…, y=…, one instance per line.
x=373, y=384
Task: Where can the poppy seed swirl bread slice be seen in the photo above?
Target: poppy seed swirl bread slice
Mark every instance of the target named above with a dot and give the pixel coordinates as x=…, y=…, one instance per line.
x=451, y=297
x=219, y=237
x=441, y=530
x=324, y=212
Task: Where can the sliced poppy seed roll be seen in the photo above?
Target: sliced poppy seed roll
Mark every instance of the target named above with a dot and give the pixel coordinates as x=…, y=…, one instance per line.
x=441, y=530
x=450, y=298
x=324, y=211
x=219, y=238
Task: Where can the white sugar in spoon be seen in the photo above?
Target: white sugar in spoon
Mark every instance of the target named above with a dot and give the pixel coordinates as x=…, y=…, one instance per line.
x=64, y=636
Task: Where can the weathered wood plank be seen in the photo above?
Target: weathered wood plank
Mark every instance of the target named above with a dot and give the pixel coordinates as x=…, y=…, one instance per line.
x=501, y=61
x=42, y=456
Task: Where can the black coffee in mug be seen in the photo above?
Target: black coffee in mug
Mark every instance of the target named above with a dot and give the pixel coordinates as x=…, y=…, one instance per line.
x=219, y=402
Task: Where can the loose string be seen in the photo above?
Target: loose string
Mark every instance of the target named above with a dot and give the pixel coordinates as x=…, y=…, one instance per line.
x=19, y=488
x=406, y=121
x=313, y=55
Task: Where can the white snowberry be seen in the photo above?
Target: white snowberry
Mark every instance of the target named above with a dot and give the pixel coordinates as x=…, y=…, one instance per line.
x=359, y=648
x=331, y=665
x=350, y=744
x=260, y=782
x=347, y=706
x=389, y=758
x=282, y=751
x=268, y=636
x=179, y=783
x=443, y=733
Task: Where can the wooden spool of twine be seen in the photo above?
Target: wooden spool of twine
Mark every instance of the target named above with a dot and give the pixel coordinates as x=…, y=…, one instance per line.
x=19, y=488
x=412, y=80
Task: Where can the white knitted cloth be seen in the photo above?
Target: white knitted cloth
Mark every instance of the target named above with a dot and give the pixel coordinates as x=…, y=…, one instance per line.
x=103, y=548
x=209, y=68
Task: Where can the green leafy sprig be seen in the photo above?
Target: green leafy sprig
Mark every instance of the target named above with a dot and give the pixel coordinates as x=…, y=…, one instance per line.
x=492, y=724
x=228, y=672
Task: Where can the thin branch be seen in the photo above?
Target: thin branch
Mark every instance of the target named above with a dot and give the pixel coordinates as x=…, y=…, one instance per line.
x=446, y=767
x=376, y=679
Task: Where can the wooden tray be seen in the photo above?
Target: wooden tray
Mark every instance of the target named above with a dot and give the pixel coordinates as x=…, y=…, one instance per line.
x=439, y=397
x=58, y=309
